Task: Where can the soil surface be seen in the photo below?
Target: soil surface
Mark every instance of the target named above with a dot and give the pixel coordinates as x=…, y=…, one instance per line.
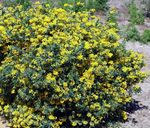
x=3, y=123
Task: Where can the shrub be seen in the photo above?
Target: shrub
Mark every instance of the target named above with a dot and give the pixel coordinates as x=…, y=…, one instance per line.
x=112, y=17
x=132, y=33
x=101, y=4
x=89, y=4
x=96, y=4
x=145, y=37
x=136, y=15
x=25, y=3
x=62, y=68
x=74, y=6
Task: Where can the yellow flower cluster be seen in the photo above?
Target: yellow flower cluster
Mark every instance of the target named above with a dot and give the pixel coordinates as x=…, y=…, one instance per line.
x=22, y=116
x=62, y=68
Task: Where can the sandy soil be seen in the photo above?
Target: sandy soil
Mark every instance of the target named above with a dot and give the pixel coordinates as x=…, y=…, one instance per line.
x=3, y=123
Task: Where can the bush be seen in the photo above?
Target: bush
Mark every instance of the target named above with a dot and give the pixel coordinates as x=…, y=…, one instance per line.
x=25, y=3
x=89, y=4
x=136, y=15
x=112, y=17
x=132, y=33
x=101, y=4
x=62, y=68
x=145, y=37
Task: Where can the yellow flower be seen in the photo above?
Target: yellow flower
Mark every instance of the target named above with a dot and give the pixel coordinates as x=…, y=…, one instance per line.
x=65, y=84
x=1, y=101
x=124, y=69
x=94, y=63
x=128, y=99
x=66, y=5
x=6, y=108
x=80, y=4
x=85, y=20
x=48, y=76
x=88, y=23
x=84, y=122
x=20, y=67
x=37, y=2
x=1, y=109
x=109, y=54
x=107, y=105
x=55, y=73
x=89, y=114
x=51, y=117
x=13, y=91
x=57, y=89
x=13, y=72
x=2, y=28
x=15, y=119
x=0, y=90
x=113, y=10
x=87, y=45
x=74, y=123
x=80, y=57
x=92, y=10
x=39, y=37
x=124, y=115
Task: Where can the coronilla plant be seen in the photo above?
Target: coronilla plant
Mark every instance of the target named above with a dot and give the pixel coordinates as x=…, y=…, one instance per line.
x=62, y=68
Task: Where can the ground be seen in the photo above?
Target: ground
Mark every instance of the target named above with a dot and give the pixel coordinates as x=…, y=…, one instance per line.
x=139, y=115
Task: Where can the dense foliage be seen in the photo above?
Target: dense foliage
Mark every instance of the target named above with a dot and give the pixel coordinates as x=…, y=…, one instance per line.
x=62, y=69
x=101, y=4
x=132, y=33
x=13, y=3
x=89, y=4
x=145, y=37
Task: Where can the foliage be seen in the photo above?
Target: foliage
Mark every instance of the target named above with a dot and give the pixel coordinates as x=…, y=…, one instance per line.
x=77, y=5
x=101, y=4
x=136, y=16
x=62, y=68
x=25, y=3
x=74, y=6
x=88, y=4
x=114, y=125
x=132, y=33
x=145, y=37
x=112, y=17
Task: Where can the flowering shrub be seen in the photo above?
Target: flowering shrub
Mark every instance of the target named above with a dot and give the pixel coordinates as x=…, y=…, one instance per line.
x=77, y=4
x=145, y=37
x=9, y=3
x=62, y=69
x=74, y=6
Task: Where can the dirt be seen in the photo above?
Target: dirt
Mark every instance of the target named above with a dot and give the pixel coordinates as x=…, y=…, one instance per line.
x=3, y=123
